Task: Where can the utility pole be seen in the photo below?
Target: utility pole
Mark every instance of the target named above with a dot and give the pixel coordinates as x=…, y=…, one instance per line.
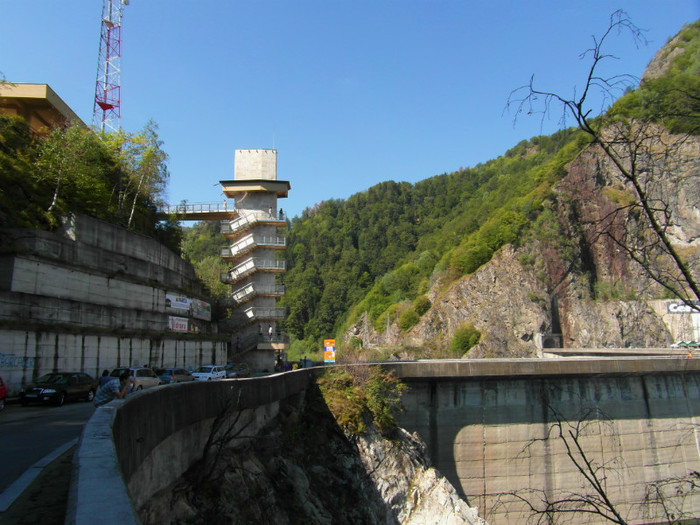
x=107, y=111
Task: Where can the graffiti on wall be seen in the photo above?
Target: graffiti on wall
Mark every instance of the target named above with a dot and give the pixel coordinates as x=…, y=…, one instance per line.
x=16, y=361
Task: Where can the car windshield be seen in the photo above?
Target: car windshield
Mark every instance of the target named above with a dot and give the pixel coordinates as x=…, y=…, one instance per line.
x=52, y=378
x=204, y=369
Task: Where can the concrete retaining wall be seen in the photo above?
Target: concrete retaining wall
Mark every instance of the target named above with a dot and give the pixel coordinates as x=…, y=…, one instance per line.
x=28, y=354
x=92, y=296
x=492, y=426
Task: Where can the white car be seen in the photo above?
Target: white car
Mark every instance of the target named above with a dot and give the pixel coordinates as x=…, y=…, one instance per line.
x=209, y=373
x=141, y=377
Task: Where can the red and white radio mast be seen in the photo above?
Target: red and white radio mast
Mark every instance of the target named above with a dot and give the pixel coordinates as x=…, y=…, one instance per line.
x=107, y=112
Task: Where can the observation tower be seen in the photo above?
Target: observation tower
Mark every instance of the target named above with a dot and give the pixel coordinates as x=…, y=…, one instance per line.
x=255, y=265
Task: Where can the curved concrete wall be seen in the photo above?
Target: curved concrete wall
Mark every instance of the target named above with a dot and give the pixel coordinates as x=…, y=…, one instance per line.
x=131, y=449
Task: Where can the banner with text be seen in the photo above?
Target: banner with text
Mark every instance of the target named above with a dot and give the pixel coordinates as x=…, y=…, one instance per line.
x=178, y=324
x=179, y=302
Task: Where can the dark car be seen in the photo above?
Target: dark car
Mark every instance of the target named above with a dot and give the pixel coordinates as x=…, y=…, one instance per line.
x=174, y=375
x=237, y=370
x=3, y=393
x=59, y=387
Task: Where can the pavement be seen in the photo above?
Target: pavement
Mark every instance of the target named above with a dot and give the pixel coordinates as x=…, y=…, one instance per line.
x=40, y=495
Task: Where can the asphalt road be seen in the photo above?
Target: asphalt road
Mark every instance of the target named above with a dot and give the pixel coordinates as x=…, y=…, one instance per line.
x=28, y=434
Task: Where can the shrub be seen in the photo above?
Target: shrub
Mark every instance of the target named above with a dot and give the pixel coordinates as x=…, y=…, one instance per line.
x=355, y=342
x=421, y=305
x=355, y=394
x=466, y=336
x=408, y=319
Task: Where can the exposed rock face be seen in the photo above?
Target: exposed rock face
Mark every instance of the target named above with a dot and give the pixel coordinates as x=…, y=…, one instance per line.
x=302, y=469
x=416, y=492
x=662, y=60
x=500, y=299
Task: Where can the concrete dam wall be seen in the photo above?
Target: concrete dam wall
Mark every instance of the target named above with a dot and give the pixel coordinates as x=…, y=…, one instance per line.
x=493, y=429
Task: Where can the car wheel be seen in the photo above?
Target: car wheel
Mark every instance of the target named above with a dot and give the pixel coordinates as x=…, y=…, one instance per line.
x=90, y=395
x=2, y=403
x=140, y=387
x=61, y=399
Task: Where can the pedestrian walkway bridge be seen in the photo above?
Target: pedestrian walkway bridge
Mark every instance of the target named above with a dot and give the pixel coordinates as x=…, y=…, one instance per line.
x=198, y=211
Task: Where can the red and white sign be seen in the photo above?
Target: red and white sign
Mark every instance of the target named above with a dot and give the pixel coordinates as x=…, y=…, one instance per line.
x=178, y=324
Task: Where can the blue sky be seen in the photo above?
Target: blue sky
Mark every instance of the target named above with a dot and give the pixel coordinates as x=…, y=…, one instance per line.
x=350, y=92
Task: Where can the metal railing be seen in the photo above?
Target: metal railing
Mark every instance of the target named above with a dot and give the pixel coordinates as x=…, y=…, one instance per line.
x=247, y=292
x=250, y=266
x=190, y=208
x=243, y=294
x=265, y=313
x=250, y=242
x=247, y=220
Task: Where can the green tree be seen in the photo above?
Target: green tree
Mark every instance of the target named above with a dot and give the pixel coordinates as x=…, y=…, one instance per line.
x=408, y=319
x=357, y=393
x=72, y=168
x=143, y=172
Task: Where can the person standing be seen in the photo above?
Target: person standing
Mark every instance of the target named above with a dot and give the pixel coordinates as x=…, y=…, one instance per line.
x=115, y=387
x=104, y=378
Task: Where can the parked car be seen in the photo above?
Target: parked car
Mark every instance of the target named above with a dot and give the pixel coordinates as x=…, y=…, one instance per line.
x=3, y=393
x=174, y=375
x=237, y=370
x=143, y=377
x=209, y=373
x=59, y=387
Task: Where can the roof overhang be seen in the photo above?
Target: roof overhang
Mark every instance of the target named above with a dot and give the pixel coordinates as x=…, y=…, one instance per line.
x=232, y=187
x=38, y=104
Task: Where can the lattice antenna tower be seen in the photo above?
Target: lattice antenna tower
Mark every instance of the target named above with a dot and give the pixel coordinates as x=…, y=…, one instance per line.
x=107, y=112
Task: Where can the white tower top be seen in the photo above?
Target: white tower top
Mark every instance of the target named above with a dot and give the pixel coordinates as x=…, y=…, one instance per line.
x=255, y=164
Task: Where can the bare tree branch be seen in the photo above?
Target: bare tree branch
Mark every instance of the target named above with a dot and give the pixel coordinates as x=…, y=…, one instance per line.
x=641, y=153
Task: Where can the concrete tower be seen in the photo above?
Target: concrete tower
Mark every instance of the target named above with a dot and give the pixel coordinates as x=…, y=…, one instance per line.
x=255, y=266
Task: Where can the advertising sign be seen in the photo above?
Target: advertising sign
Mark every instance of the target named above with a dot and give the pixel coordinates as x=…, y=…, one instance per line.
x=201, y=310
x=329, y=350
x=679, y=307
x=177, y=301
x=178, y=324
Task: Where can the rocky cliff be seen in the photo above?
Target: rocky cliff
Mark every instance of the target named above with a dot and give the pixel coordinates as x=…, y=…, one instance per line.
x=301, y=468
x=570, y=284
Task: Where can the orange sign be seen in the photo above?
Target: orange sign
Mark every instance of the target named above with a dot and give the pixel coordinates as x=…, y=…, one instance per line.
x=329, y=351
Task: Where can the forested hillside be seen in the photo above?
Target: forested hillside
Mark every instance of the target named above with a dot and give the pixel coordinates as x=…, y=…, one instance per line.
x=380, y=251
x=386, y=245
